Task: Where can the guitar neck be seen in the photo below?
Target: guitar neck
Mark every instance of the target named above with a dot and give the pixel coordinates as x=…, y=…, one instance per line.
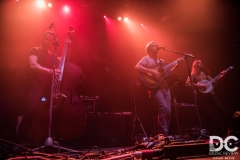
x=215, y=79
x=170, y=65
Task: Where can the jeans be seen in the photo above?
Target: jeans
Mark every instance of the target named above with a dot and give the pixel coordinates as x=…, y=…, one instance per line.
x=162, y=99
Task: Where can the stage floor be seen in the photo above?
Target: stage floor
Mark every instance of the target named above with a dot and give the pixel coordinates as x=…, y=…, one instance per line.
x=174, y=150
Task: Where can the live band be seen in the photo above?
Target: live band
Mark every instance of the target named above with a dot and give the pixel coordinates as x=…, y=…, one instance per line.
x=56, y=78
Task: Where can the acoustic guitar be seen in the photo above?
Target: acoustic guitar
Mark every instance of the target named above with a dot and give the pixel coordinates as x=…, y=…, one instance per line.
x=165, y=71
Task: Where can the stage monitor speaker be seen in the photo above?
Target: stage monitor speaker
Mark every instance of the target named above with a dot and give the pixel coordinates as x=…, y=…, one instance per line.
x=114, y=129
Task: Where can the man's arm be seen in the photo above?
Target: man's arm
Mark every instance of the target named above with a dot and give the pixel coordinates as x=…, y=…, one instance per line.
x=36, y=66
x=141, y=68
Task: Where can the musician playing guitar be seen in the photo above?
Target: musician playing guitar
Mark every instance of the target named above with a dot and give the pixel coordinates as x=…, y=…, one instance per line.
x=208, y=103
x=158, y=85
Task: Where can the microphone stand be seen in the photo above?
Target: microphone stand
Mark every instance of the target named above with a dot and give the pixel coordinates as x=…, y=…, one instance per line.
x=175, y=83
x=186, y=57
x=49, y=141
x=135, y=118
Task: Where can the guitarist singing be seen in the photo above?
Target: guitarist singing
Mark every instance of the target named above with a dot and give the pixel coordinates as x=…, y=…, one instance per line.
x=208, y=103
x=160, y=93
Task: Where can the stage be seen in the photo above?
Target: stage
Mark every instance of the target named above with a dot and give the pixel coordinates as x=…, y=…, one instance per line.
x=174, y=150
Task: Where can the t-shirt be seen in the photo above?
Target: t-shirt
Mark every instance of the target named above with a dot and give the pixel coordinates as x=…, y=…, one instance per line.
x=45, y=59
x=151, y=63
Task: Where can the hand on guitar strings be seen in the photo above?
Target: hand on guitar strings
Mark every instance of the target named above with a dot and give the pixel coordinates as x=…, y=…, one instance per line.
x=156, y=74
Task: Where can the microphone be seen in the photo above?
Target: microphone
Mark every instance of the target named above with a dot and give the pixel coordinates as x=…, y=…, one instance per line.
x=163, y=47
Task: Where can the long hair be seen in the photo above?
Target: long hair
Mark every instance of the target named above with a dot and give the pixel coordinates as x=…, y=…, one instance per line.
x=202, y=67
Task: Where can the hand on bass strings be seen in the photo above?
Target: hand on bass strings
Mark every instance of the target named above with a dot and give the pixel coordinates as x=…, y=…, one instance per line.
x=57, y=71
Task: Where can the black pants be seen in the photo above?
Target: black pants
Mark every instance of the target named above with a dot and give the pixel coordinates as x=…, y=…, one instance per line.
x=36, y=93
x=214, y=112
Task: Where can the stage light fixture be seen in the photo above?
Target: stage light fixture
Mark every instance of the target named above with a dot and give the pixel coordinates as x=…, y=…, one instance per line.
x=66, y=9
x=119, y=18
x=40, y=3
x=50, y=5
x=125, y=19
x=104, y=16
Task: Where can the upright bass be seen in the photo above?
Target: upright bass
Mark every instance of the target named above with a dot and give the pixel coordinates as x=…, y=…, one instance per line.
x=69, y=113
x=72, y=113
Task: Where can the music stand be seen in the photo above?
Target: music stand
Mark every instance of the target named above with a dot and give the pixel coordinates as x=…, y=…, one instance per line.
x=135, y=115
x=49, y=141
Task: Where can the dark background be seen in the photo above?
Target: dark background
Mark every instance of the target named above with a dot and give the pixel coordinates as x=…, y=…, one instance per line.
x=107, y=50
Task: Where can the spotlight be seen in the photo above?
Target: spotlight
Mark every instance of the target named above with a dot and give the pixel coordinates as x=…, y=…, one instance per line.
x=40, y=3
x=104, y=16
x=141, y=24
x=66, y=9
x=50, y=5
x=125, y=19
x=119, y=18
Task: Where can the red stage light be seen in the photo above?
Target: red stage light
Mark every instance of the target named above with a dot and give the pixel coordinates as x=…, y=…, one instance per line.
x=119, y=18
x=104, y=16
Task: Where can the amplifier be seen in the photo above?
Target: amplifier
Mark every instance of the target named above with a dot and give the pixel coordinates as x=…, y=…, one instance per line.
x=90, y=103
x=114, y=129
x=105, y=129
x=186, y=117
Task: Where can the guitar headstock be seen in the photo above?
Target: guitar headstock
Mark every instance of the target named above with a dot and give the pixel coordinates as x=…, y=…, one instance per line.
x=226, y=70
x=230, y=68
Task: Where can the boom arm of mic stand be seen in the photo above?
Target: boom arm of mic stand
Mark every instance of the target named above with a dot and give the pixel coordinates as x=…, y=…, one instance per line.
x=184, y=54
